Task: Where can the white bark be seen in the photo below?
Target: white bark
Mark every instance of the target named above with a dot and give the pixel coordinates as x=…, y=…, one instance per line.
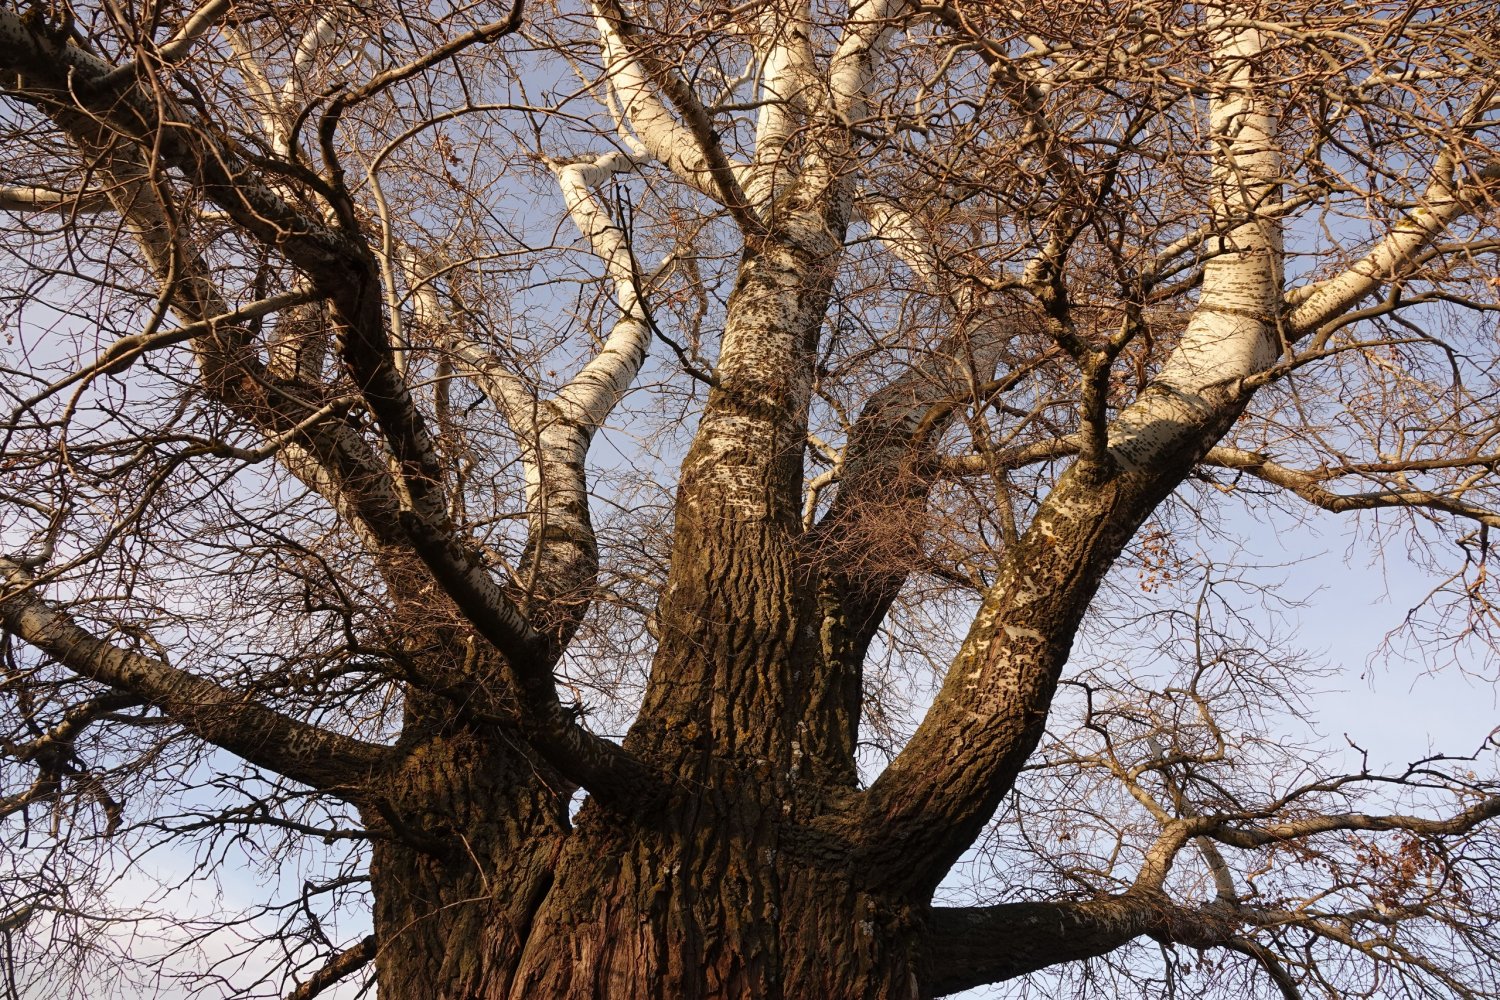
x=555, y=434
x=659, y=131
x=1233, y=331
x=1324, y=301
x=788, y=92
x=35, y=199
x=258, y=84
x=866, y=32
x=195, y=27
x=903, y=237
x=595, y=391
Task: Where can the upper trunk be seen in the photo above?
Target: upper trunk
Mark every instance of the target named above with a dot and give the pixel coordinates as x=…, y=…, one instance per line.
x=737, y=616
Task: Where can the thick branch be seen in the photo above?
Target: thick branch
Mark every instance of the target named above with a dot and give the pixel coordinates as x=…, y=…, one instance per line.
x=977, y=945
x=990, y=713
x=871, y=536
x=690, y=148
x=789, y=91
x=1232, y=333
x=1443, y=203
x=34, y=199
x=340, y=967
x=300, y=751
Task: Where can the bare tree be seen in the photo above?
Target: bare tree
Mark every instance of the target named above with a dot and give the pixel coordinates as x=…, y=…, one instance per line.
x=423, y=419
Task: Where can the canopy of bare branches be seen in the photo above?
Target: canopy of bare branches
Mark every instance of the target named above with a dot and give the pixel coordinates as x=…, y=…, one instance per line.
x=618, y=498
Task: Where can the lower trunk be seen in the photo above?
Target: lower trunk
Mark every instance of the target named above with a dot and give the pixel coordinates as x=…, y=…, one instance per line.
x=715, y=897
x=712, y=903
x=466, y=843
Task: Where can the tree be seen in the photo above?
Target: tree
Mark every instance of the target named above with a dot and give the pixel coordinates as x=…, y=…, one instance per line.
x=901, y=333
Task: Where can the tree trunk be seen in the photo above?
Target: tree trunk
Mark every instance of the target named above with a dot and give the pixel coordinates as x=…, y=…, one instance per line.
x=467, y=838
x=718, y=900
x=718, y=893
x=727, y=889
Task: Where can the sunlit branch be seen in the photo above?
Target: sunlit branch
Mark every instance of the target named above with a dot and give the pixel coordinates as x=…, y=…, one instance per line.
x=33, y=199
x=198, y=24
x=690, y=148
x=1319, y=304
x=903, y=236
x=989, y=714
x=868, y=28
x=562, y=558
x=1261, y=834
x=1309, y=487
x=788, y=93
x=343, y=965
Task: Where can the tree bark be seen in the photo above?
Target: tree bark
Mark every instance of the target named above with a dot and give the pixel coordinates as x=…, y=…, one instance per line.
x=715, y=897
x=467, y=833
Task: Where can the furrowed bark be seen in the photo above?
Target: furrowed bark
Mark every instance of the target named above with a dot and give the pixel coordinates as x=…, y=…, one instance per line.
x=735, y=613
x=468, y=832
x=343, y=965
x=737, y=582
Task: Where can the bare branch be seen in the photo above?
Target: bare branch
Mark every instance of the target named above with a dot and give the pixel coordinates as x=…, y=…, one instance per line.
x=300, y=751
x=1309, y=486
x=340, y=967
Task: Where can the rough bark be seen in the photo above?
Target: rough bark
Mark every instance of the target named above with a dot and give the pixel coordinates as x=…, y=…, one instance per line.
x=467, y=835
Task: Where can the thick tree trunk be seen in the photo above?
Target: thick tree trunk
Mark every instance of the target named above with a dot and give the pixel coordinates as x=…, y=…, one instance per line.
x=713, y=902
x=720, y=893
x=723, y=891
x=468, y=836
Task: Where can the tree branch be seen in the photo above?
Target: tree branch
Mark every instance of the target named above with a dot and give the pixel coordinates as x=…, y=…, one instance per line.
x=978, y=945
x=1261, y=835
x=1445, y=200
x=305, y=753
x=991, y=711
x=340, y=967
x=35, y=199
x=1308, y=486
x=871, y=536
x=629, y=64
